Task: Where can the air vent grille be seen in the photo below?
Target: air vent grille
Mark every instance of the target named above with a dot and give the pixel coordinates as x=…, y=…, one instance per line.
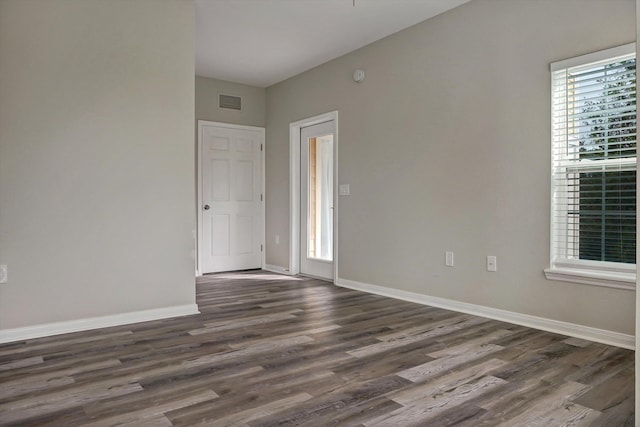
x=230, y=102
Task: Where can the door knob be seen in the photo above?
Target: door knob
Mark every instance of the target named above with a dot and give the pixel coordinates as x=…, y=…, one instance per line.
x=206, y=207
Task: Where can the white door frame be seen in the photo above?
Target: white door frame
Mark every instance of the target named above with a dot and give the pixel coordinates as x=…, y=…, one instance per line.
x=201, y=124
x=294, y=191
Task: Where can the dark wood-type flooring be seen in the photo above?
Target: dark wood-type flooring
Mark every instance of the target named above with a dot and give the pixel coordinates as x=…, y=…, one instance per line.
x=273, y=350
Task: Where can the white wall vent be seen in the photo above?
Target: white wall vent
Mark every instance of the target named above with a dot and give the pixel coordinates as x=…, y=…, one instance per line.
x=230, y=102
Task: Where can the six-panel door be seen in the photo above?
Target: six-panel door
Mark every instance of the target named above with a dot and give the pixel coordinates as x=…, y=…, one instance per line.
x=231, y=205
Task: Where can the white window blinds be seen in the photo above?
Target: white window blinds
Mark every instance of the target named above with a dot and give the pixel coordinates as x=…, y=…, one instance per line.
x=594, y=161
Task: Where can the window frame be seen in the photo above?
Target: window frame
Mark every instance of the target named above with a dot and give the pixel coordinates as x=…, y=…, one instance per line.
x=590, y=272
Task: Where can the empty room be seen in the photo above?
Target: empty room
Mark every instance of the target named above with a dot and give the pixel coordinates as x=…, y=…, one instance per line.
x=318, y=212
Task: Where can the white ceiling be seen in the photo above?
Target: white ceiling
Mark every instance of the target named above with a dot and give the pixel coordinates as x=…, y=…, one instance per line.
x=262, y=42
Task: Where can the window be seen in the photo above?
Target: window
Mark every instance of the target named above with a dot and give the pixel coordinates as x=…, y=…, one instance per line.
x=593, y=206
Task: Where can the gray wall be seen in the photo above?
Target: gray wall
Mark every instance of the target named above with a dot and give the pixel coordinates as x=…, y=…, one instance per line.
x=446, y=146
x=96, y=158
x=253, y=102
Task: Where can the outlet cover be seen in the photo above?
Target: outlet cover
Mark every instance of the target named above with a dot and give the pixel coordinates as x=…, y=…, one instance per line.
x=448, y=259
x=3, y=274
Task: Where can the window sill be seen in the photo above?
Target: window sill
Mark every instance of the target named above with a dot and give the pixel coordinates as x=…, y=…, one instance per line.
x=607, y=279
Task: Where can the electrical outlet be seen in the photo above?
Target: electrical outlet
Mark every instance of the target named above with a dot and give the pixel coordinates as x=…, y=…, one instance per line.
x=3, y=274
x=492, y=263
x=448, y=259
x=277, y=239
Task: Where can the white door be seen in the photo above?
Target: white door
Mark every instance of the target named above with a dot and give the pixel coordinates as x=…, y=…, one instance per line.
x=316, y=200
x=231, y=206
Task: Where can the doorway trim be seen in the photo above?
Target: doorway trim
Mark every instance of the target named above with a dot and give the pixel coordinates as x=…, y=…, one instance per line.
x=294, y=190
x=198, y=237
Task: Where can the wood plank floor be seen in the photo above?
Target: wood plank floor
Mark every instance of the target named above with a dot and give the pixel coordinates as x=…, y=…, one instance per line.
x=273, y=350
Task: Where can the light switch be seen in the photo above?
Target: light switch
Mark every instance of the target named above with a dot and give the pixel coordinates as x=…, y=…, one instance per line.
x=448, y=259
x=343, y=190
x=492, y=263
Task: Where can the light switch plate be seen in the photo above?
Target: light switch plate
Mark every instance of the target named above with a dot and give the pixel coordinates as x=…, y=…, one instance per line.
x=343, y=190
x=448, y=259
x=492, y=263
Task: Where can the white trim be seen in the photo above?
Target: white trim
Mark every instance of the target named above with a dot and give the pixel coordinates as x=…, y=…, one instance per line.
x=261, y=130
x=608, y=279
x=277, y=269
x=294, y=189
x=602, y=266
x=263, y=154
x=607, y=54
x=596, y=273
x=48, y=329
x=585, y=332
x=294, y=197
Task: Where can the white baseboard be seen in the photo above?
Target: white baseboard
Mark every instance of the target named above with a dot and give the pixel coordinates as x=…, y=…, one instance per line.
x=276, y=269
x=47, y=329
x=564, y=328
